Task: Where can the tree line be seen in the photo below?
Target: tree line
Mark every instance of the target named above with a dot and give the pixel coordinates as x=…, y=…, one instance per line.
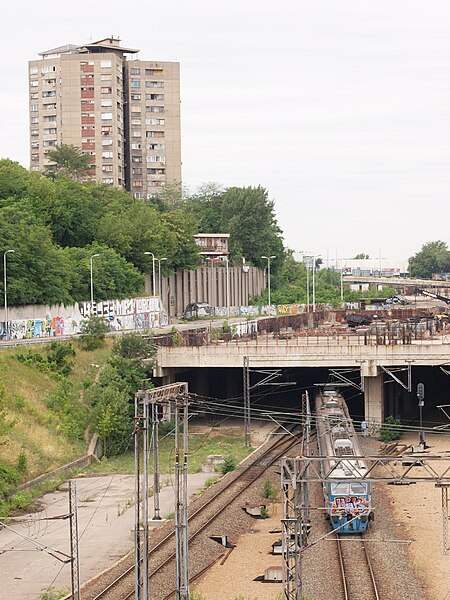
x=55, y=223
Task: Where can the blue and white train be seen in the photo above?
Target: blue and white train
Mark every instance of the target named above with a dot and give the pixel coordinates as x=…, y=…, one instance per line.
x=347, y=496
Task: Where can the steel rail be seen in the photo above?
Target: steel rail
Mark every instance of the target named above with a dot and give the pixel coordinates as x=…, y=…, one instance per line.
x=344, y=570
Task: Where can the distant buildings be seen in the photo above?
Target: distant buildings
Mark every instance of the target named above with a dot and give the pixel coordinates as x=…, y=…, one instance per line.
x=212, y=244
x=124, y=112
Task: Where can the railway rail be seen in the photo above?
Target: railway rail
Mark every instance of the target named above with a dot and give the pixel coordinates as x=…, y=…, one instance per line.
x=202, y=513
x=358, y=578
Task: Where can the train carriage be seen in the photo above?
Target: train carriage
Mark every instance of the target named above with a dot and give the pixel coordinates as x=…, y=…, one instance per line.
x=347, y=496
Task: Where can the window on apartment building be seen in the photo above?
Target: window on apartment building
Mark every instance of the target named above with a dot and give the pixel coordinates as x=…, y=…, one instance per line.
x=106, y=129
x=136, y=84
x=154, y=71
x=49, y=130
x=35, y=157
x=156, y=146
x=135, y=96
x=136, y=171
x=49, y=94
x=154, y=84
x=107, y=168
x=155, y=171
x=136, y=133
x=153, y=159
x=154, y=109
x=34, y=70
x=48, y=69
x=48, y=143
x=136, y=110
x=137, y=195
x=34, y=132
x=154, y=134
x=50, y=82
x=151, y=183
x=34, y=83
x=108, y=180
x=34, y=96
x=107, y=142
x=135, y=71
x=107, y=154
x=34, y=107
x=136, y=159
x=105, y=77
x=105, y=64
x=106, y=102
x=106, y=116
x=106, y=90
x=34, y=120
x=50, y=106
x=154, y=121
x=136, y=146
x=136, y=121
x=154, y=96
x=50, y=118
x=137, y=183
x=34, y=145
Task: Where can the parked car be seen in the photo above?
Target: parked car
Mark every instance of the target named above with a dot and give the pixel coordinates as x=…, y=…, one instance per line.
x=196, y=310
x=397, y=299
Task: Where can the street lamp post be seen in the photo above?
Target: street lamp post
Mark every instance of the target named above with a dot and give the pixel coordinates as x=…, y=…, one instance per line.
x=92, y=278
x=268, y=258
x=159, y=274
x=211, y=260
x=153, y=272
x=227, y=285
x=6, y=293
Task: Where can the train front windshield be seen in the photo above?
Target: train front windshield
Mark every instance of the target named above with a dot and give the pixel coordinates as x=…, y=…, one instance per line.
x=349, y=489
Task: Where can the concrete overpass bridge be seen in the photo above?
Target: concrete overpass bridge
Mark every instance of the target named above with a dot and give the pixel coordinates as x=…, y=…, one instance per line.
x=385, y=368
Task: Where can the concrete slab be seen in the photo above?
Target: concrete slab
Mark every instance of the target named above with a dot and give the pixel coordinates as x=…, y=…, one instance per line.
x=105, y=522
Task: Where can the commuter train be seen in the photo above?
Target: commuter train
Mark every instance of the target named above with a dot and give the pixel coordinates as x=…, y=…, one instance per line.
x=347, y=498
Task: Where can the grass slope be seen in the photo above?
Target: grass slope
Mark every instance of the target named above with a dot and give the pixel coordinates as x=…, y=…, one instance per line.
x=35, y=431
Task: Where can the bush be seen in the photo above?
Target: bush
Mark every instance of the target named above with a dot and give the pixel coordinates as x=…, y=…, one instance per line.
x=177, y=338
x=229, y=464
x=52, y=594
x=93, y=333
x=390, y=430
x=269, y=490
x=22, y=463
x=132, y=345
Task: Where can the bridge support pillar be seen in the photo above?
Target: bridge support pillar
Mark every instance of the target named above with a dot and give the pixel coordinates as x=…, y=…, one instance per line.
x=373, y=396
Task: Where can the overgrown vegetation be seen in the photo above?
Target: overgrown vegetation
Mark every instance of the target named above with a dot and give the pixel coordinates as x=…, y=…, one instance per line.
x=269, y=490
x=229, y=464
x=390, y=430
x=93, y=333
x=56, y=359
x=54, y=594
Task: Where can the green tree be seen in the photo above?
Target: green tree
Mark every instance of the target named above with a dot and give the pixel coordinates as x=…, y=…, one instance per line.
x=434, y=257
x=113, y=276
x=68, y=160
x=361, y=256
x=93, y=333
x=133, y=346
x=38, y=271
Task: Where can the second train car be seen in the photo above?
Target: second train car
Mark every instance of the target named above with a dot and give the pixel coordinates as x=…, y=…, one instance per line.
x=348, y=500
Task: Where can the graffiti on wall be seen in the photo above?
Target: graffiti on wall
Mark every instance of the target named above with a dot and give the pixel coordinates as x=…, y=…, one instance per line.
x=129, y=314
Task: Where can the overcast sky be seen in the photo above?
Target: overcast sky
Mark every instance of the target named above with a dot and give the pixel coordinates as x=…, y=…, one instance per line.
x=341, y=109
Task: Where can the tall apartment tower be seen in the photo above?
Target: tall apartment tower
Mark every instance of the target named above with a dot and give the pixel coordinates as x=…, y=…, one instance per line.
x=123, y=111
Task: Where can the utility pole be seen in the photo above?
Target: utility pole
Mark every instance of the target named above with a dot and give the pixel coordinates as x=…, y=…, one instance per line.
x=181, y=513
x=74, y=548
x=155, y=447
x=247, y=413
x=137, y=504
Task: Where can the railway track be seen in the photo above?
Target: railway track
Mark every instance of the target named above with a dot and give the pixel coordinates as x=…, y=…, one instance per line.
x=358, y=579
x=202, y=513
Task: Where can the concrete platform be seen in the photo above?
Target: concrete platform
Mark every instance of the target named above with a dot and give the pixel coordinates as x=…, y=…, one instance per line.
x=105, y=522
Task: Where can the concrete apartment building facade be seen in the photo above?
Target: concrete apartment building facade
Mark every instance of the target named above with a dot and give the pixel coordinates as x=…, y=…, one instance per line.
x=123, y=111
